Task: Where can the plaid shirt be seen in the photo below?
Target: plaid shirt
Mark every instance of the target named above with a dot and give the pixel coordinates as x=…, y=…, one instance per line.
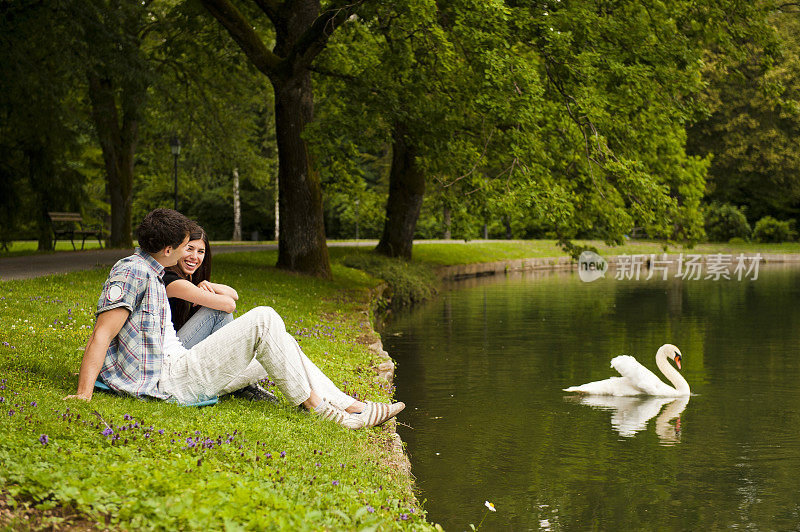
x=134, y=358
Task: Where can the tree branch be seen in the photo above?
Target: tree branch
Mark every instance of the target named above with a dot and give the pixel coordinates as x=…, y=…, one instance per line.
x=244, y=34
x=269, y=7
x=313, y=41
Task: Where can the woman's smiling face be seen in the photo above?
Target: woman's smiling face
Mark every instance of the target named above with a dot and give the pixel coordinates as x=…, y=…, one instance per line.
x=195, y=253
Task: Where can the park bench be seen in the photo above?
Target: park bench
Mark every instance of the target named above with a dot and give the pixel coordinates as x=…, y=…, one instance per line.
x=70, y=224
x=638, y=233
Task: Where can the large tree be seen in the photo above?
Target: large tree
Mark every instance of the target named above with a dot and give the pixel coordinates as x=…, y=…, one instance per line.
x=443, y=89
x=118, y=41
x=301, y=31
x=40, y=128
x=753, y=122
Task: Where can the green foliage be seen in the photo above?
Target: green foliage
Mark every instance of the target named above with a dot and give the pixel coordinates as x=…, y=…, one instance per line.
x=768, y=229
x=752, y=103
x=220, y=108
x=234, y=476
x=724, y=222
x=43, y=124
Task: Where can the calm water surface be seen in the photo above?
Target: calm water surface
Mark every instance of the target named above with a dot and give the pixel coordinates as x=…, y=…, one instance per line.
x=482, y=367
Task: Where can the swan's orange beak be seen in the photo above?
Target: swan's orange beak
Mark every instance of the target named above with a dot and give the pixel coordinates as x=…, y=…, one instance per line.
x=678, y=361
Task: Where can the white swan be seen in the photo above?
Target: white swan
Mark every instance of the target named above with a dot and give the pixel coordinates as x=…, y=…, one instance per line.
x=638, y=380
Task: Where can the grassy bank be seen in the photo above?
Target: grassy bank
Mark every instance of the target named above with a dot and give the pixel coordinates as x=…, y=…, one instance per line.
x=234, y=465
x=416, y=280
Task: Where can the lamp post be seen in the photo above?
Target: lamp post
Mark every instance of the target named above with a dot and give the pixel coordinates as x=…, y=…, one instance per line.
x=175, y=146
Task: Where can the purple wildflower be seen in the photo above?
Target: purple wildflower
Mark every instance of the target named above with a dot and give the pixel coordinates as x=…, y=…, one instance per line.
x=161, y=431
x=283, y=454
x=2, y=399
x=268, y=455
x=335, y=483
x=33, y=403
x=44, y=439
x=317, y=464
x=10, y=412
x=370, y=509
x=108, y=431
x=404, y=517
x=127, y=416
x=190, y=442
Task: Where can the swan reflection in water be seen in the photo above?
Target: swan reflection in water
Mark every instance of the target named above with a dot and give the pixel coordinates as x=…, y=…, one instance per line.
x=629, y=415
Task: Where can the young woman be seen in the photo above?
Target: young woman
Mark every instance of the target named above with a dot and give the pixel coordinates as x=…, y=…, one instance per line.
x=199, y=307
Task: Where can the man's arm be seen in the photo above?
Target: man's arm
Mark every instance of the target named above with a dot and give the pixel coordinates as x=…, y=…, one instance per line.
x=108, y=325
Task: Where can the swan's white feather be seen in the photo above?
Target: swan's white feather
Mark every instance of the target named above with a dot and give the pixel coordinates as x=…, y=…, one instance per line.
x=640, y=377
x=619, y=386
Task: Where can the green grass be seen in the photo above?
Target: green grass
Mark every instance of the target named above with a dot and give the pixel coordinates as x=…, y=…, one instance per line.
x=152, y=477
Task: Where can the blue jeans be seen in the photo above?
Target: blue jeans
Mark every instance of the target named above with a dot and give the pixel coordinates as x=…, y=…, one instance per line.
x=203, y=324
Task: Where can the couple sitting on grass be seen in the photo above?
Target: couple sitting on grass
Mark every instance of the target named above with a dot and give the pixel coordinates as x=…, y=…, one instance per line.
x=134, y=348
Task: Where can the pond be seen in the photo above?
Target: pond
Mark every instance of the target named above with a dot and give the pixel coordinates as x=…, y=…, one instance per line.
x=482, y=368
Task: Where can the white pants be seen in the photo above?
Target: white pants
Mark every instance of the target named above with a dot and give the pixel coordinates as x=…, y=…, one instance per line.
x=248, y=349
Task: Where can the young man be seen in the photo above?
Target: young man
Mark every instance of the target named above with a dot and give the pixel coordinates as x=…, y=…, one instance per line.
x=134, y=348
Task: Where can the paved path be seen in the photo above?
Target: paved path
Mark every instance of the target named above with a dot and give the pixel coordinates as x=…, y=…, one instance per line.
x=30, y=266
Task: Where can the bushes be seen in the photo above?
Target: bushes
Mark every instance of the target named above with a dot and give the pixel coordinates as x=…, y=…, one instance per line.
x=768, y=229
x=410, y=282
x=725, y=221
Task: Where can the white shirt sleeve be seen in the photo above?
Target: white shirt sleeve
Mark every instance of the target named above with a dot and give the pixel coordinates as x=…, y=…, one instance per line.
x=172, y=344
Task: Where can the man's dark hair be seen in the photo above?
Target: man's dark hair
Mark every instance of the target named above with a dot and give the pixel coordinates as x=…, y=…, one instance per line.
x=162, y=228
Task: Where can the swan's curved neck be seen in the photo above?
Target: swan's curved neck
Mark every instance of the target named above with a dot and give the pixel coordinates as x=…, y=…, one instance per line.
x=674, y=376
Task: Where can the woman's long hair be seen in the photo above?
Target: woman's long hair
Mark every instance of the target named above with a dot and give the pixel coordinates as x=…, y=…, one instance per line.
x=184, y=309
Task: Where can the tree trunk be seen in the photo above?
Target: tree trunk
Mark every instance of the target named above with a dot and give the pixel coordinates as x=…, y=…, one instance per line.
x=507, y=225
x=301, y=242
x=118, y=142
x=301, y=245
x=406, y=190
x=237, y=208
x=447, y=234
x=40, y=173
